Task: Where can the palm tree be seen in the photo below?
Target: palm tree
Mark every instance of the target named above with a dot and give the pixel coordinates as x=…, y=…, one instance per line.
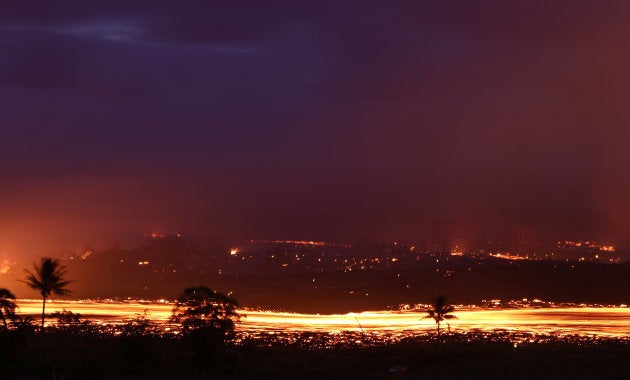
x=48, y=279
x=7, y=306
x=439, y=311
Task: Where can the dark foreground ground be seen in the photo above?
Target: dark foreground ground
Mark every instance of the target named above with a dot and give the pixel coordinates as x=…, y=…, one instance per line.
x=61, y=354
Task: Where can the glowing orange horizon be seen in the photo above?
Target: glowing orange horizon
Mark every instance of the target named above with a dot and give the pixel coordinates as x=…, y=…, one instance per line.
x=584, y=321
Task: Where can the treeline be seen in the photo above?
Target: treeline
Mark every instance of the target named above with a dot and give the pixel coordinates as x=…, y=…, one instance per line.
x=204, y=347
x=79, y=352
x=72, y=348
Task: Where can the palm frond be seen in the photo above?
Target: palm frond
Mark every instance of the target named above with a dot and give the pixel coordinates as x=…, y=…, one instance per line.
x=48, y=279
x=439, y=311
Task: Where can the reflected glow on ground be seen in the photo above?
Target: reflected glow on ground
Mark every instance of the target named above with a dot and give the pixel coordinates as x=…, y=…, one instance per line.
x=584, y=321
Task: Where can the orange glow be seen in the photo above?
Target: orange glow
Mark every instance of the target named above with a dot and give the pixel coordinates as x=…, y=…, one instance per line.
x=584, y=321
x=299, y=242
x=5, y=266
x=507, y=256
x=588, y=244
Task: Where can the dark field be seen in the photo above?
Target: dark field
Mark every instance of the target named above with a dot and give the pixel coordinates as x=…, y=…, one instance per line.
x=64, y=354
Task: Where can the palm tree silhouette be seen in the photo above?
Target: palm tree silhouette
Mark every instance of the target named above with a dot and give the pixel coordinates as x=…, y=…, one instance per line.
x=48, y=279
x=7, y=306
x=439, y=311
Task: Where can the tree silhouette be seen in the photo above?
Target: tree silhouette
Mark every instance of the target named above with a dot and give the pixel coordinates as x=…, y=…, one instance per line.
x=23, y=325
x=203, y=311
x=48, y=279
x=439, y=311
x=140, y=326
x=7, y=306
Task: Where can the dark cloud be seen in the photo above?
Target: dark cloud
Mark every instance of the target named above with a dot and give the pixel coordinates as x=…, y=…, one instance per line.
x=327, y=119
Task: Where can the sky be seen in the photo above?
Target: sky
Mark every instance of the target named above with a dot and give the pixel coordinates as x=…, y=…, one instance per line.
x=312, y=120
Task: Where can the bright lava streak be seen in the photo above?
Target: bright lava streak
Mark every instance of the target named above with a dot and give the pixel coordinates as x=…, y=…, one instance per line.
x=583, y=321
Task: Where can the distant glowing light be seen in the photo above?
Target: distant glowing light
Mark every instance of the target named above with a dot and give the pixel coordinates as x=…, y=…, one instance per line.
x=234, y=251
x=5, y=266
x=507, y=256
x=299, y=242
x=587, y=244
x=143, y=262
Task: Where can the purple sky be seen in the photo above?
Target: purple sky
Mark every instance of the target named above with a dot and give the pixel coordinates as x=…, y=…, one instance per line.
x=313, y=121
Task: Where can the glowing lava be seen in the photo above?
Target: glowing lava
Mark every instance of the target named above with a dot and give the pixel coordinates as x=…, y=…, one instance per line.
x=584, y=321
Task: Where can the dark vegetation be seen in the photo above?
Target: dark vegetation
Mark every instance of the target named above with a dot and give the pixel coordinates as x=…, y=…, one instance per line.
x=72, y=348
x=205, y=345
x=440, y=311
x=47, y=279
x=7, y=306
x=80, y=353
